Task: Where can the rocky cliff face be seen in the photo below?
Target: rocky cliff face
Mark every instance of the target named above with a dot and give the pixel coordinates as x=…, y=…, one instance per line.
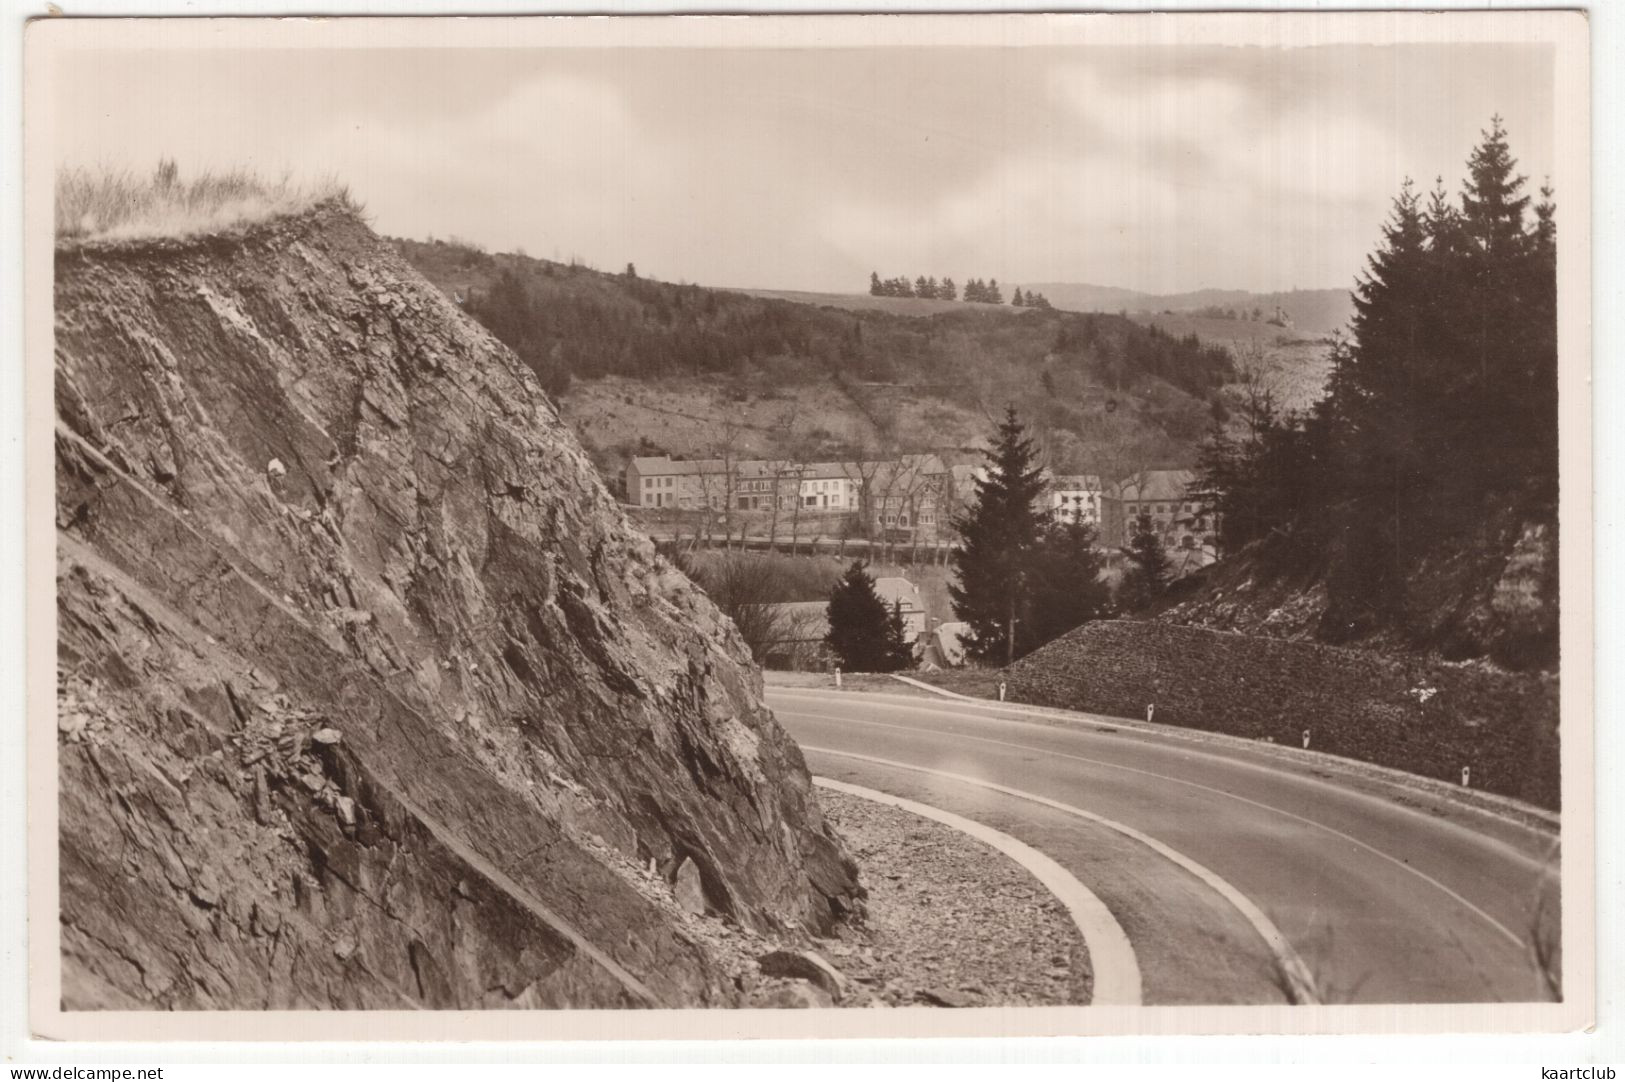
x=368, y=694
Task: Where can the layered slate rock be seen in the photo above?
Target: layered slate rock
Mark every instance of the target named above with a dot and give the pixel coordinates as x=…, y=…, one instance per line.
x=369, y=696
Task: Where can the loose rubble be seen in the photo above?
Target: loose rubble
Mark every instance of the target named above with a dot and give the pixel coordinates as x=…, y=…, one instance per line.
x=950, y=922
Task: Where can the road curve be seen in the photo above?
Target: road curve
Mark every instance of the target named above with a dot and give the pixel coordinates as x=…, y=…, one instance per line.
x=1383, y=891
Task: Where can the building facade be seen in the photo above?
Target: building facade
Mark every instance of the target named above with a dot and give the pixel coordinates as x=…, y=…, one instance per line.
x=1166, y=497
x=1076, y=498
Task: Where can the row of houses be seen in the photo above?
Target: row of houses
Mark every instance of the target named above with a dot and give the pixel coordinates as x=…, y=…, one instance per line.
x=916, y=497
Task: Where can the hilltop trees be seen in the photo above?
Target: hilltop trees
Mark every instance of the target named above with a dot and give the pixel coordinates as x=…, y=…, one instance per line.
x=863, y=635
x=982, y=292
x=976, y=290
x=925, y=286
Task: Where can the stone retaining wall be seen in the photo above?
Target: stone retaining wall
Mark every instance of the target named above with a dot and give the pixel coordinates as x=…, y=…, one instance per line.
x=1426, y=717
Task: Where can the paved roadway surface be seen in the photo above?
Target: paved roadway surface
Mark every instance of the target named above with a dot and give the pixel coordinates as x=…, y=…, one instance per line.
x=1386, y=892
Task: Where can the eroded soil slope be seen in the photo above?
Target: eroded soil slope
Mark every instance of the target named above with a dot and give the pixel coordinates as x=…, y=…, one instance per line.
x=368, y=694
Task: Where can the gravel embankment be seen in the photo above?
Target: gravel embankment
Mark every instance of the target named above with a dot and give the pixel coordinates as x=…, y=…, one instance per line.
x=951, y=922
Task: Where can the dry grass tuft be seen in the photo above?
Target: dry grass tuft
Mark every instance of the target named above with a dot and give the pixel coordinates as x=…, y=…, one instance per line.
x=105, y=204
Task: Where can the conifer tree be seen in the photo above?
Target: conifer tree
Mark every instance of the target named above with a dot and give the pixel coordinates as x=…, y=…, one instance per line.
x=992, y=294
x=998, y=536
x=947, y=291
x=1067, y=586
x=1017, y=300
x=1441, y=412
x=875, y=288
x=1148, y=567
x=861, y=632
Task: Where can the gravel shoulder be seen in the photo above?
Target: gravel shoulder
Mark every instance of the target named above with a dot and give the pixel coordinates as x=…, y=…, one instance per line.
x=951, y=921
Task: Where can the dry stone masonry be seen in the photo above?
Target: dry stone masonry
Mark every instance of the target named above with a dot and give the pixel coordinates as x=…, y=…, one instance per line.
x=1424, y=716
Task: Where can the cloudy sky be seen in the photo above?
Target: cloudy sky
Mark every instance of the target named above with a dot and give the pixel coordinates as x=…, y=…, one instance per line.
x=1163, y=168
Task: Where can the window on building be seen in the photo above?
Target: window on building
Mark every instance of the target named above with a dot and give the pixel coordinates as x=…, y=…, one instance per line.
x=648, y=482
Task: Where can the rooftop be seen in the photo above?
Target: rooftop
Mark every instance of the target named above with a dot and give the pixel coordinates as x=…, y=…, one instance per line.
x=1170, y=485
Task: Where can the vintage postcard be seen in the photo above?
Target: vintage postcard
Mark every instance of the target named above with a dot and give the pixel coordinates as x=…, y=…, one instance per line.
x=809, y=526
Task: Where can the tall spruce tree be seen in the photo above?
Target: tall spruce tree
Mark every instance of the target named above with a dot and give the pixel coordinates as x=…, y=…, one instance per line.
x=998, y=536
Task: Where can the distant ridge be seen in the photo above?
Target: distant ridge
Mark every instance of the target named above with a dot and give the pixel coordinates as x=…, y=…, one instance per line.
x=1316, y=311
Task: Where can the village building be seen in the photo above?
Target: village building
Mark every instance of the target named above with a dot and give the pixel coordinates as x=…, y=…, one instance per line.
x=900, y=594
x=903, y=500
x=684, y=484
x=798, y=644
x=1076, y=498
x=1167, y=498
x=829, y=486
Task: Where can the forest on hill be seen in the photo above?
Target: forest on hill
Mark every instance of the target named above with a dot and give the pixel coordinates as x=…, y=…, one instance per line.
x=1104, y=394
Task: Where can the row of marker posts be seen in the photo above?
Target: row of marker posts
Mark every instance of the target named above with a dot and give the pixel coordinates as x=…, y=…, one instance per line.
x=1151, y=713
x=1151, y=710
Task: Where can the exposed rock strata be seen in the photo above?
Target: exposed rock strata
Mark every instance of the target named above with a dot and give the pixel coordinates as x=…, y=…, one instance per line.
x=362, y=671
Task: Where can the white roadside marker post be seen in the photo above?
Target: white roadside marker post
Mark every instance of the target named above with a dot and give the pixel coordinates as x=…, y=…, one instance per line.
x=1466, y=777
x=837, y=677
x=1001, y=691
x=1150, y=711
x=1306, y=738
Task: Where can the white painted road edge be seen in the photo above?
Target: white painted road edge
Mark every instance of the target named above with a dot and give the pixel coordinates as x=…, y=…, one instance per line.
x=1300, y=985
x=1111, y=956
x=944, y=692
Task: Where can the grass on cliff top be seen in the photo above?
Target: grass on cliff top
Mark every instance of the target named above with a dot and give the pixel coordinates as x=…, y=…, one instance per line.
x=108, y=204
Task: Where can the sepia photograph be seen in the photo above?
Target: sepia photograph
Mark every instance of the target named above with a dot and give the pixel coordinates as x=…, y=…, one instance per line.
x=809, y=525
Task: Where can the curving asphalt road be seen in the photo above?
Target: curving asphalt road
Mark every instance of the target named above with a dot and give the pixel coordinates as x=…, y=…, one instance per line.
x=1242, y=874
